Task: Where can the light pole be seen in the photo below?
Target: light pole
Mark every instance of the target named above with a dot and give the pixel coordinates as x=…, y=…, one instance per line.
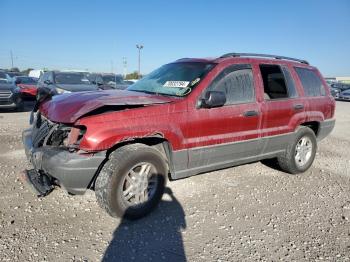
x=139, y=47
x=124, y=66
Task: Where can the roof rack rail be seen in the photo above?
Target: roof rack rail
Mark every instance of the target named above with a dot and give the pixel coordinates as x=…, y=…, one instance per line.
x=264, y=55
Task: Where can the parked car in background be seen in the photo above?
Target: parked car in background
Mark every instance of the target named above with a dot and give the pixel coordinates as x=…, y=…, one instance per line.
x=185, y=118
x=28, y=86
x=340, y=86
x=108, y=81
x=335, y=92
x=5, y=77
x=10, y=97
x=66, y=82
x=345, y=95
x=13, y=74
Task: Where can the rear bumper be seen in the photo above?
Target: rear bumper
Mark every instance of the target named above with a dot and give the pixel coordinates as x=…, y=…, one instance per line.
x=325, y=128
x=73, y=171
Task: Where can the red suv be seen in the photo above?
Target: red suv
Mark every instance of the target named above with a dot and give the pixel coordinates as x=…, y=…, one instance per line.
x=185, y=118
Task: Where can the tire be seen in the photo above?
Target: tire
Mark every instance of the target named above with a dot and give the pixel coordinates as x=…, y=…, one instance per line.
x=290, y=162
x=126, y=164
x=19, y=105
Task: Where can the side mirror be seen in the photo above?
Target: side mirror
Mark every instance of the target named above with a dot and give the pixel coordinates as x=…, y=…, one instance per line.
x=48, y=82
x=17, y=81
x=212, y=99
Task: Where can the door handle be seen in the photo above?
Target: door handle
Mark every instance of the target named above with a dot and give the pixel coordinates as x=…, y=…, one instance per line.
x=250, y=113
x=298, y=107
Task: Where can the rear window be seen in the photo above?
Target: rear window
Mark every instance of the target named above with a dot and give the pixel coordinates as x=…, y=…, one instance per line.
x=311, y=82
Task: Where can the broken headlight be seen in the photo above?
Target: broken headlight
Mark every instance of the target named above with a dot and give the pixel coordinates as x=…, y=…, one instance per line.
x=68, y=136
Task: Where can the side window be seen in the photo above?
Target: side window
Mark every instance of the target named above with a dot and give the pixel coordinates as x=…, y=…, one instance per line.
x=290, y=82
x=236, y=83
x=274, y=82
x=311, y=82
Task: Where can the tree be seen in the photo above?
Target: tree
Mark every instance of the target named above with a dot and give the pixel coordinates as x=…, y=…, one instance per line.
x=133, y=75
x=14, y=69
x=26, y=72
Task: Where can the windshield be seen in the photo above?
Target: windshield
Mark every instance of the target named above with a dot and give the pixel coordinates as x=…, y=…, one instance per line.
x=27, y=80
x=71, y=78
x=176, y=79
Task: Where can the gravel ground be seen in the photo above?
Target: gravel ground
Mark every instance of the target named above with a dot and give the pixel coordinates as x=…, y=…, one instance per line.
x=250, y=212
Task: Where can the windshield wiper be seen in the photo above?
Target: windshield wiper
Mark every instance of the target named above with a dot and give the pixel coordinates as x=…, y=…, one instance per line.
x=144, y=91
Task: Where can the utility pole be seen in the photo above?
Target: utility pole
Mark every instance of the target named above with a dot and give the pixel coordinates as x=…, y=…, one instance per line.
x=139, y=47
x=11, y=58
x=124, y=66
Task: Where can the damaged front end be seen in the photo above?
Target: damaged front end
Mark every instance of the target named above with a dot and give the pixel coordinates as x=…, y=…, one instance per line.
x=53, y=150
x=47, y=133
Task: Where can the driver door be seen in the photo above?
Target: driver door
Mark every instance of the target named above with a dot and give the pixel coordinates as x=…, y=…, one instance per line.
x=228, y=134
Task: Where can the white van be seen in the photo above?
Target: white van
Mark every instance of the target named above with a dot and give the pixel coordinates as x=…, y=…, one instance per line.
x=35, y=73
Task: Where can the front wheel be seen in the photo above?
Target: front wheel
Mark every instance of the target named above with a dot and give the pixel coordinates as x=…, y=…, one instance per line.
x=132, y=181
x=300, y=153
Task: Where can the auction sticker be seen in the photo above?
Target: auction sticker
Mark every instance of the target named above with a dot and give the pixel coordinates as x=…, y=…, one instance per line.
x=176, y=84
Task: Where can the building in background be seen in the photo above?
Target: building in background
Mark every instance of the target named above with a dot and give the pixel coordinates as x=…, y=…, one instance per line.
x=342, y=79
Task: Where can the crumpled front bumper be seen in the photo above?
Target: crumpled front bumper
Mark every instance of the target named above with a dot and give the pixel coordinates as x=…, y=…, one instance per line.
x=73, y=171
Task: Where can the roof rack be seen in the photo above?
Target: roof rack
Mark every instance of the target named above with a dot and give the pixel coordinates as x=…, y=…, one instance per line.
x=264, y=55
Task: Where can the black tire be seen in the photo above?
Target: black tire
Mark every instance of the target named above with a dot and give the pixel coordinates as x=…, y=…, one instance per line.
x=110, y=182
x=19, y=105
x=287, y=161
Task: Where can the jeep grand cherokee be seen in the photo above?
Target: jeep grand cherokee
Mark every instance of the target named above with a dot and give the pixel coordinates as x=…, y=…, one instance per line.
x=185, y=118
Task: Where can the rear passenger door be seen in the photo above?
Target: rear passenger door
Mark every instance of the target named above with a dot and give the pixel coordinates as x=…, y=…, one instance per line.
x=222, y=135
x=281, y=104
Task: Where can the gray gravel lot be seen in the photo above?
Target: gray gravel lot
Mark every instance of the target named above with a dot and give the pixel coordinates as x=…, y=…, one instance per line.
x=250, y=212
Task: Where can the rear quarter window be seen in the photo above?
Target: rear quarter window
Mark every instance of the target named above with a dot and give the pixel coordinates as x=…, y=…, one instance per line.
x=311, y=82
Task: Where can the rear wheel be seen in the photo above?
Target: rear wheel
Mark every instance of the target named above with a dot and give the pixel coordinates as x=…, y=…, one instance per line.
x=132, y=181
x=300, y=153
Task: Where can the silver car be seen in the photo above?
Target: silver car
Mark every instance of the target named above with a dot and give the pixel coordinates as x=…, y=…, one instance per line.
x=345, y=95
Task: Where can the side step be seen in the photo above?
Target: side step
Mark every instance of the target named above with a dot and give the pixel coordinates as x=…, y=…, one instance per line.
x=39, y=183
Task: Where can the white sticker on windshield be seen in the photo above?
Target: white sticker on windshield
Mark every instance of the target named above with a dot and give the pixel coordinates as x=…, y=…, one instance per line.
x=176, y=84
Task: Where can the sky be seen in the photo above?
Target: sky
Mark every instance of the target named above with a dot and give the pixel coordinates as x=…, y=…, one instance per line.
x=96, y=35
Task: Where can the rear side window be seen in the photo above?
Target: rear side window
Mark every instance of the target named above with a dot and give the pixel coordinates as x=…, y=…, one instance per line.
x=311, y=82
x=236, y=83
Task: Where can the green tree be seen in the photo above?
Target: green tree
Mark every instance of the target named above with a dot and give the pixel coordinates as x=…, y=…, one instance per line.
x=26, y=72
x=133, y=75
x=14, y=69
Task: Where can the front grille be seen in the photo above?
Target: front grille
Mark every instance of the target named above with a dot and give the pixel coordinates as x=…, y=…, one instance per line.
x=5, y=93
x=41, y=129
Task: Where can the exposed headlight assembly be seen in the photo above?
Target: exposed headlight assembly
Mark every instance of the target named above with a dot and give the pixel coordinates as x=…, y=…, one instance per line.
x=62, y=91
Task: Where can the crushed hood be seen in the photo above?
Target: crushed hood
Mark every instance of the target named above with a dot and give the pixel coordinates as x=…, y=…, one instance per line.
x=67, y=108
